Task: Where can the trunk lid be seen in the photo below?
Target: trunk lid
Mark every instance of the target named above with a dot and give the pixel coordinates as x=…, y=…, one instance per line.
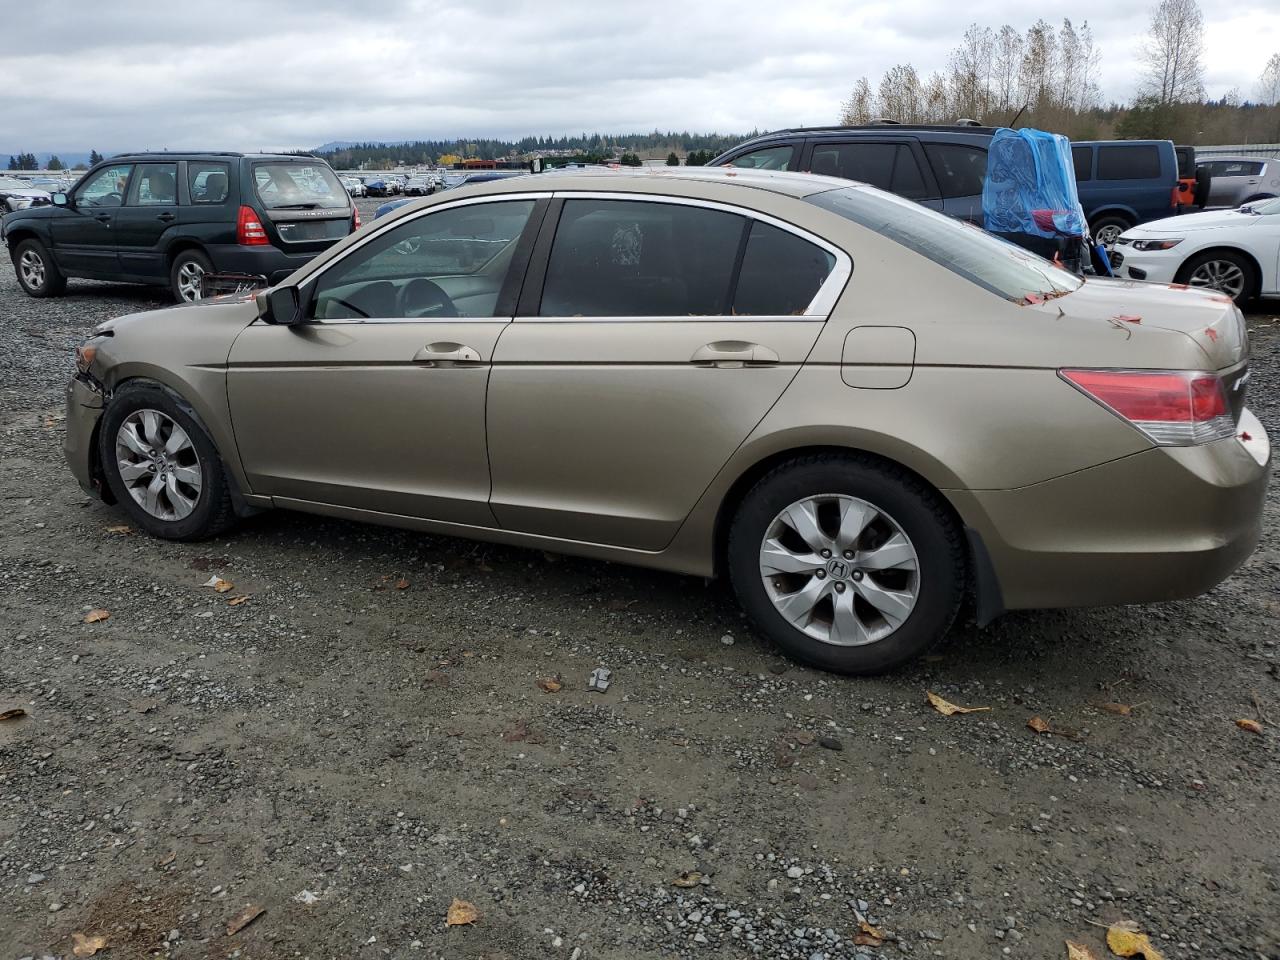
x=303, y=203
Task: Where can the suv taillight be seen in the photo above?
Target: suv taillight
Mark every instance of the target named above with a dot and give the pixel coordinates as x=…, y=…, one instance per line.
x=1175, y=408
x=249, y=229
x=355, y=218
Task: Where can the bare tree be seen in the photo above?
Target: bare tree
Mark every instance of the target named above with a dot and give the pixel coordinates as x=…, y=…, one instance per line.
x=971, y=65
x=860, y=106
x=900, y=96
x=1008, y=58
x=1171, y=53
x=1269, y=82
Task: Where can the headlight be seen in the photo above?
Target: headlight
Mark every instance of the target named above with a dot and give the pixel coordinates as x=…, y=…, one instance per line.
x=87, y=352
x=1156, y=244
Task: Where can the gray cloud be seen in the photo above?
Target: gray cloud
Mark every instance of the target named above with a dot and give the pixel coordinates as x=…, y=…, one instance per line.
x=294, y=73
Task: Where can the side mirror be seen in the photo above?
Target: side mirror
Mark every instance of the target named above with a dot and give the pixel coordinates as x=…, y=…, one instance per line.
x=281, y=305
x=60, y=200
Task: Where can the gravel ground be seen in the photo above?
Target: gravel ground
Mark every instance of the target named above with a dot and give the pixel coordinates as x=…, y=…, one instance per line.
x=364, y=740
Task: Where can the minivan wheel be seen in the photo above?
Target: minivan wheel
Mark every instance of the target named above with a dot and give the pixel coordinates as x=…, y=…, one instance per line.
x=1222, y=270
x=846, y=563
x=186, y=275
x=1107, y=230
x=161, y=465
x=37, y=273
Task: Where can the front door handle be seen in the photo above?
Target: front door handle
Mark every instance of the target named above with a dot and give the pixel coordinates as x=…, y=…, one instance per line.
x=166, y=217
x=447, y=354
x=733, y=353
x=103, y=218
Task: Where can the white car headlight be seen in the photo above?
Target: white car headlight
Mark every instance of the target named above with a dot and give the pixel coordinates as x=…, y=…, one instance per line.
x=1156, y=244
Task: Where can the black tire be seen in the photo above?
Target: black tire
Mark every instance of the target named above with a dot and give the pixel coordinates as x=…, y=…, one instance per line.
x=51, y=282
x=1247, y=292
x=184, y=261
x=920, y=513
x=213, y=512
x=1103, y=225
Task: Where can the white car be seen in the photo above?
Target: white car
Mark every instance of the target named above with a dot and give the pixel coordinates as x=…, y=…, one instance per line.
x=1234, y=251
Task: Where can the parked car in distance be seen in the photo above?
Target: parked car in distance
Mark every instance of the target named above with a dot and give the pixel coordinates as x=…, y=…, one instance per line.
x=377, y=187
x=942, y=167
x=708, y=371
x=419, y=186
x=1234, y=251
x=355, y=187
x=170, y=218
x=1238, y=180
x=18, y=194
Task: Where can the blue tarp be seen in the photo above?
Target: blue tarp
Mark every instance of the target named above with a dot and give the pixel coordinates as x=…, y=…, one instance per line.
x=1030, y=185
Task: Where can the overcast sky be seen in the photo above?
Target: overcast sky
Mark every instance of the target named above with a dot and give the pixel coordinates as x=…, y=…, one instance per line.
x=248, y=74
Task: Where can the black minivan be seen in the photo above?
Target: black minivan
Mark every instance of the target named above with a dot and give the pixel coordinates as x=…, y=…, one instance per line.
x=168, y=219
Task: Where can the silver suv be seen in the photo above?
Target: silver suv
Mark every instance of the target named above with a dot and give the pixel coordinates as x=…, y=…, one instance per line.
x=1238, y=180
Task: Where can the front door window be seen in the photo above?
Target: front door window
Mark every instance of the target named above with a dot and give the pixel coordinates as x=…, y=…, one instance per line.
x=106, y=188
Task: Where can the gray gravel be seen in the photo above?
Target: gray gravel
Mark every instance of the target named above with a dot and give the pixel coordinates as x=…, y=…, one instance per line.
x=351, y=756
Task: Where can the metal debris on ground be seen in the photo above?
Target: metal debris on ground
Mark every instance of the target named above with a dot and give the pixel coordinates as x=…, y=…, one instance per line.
x=599, y=680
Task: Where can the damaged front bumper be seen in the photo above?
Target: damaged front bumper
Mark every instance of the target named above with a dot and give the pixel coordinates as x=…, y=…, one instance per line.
x=86, y=399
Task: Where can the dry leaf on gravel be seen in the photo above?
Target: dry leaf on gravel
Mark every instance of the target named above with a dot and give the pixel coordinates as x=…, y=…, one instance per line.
x=120, y=528
x=1078, y=951
x=13, y=714
x=218, y=584
x=1125, y=941
x=167, y=859
x=402, y=584
x=460, y=913
x=550, y=684
x=1119, y=709
x=97, y=616
x=1039, y=725
x=83, y=946
x=867, y=935
x=517, y=734
x=250, y=913
x=687, y=878
x=946, y=708
x=1253, y=726
x=236, y=601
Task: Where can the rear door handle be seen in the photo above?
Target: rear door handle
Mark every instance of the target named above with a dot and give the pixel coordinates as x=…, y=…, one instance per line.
x=448, y=354
x=733, y=353
x=166, y=217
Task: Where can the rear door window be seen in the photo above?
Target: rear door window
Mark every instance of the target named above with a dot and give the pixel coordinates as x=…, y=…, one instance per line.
x=156, y=185
x=301, y=185
x=781, y=273
x=959, y=168
x=209, y=181
x=1082, y=160
x=1138, y=162
x=631, y=258
x=770, y=158
x=889, y=166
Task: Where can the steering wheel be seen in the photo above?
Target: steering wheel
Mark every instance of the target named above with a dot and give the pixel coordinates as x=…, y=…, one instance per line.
x=113, y=199
x=421, y=297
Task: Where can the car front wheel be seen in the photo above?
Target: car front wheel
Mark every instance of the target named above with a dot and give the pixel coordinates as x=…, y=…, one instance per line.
x=37, y=272
x=847, y=563
x=1223, y=270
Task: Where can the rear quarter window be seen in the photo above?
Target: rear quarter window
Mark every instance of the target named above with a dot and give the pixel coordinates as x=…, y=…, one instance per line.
x=208, y=181
x=1138, y=162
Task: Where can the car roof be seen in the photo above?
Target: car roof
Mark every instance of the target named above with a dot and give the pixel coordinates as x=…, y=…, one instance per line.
x=605, y=178
x=201, y=154
x=869, y=129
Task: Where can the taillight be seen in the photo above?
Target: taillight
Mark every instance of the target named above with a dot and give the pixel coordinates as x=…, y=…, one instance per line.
x=249, y=229
x=1175, y=408
x=355, y=218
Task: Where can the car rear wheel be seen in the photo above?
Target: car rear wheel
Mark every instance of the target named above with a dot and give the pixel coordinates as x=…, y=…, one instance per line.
x=37, y=273
x=847, y=564
x=186, y=275
x=161, y=466
x=1222, y=270
x=1107, y=230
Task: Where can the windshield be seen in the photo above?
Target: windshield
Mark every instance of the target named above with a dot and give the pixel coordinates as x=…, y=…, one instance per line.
x=994, y=264
x=302, y=185
x=1271, y=206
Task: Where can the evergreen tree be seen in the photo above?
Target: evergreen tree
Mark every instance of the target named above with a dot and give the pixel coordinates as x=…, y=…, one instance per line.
x=94, y=157
x=13, y=162
x=673, y=160
x=55, y=163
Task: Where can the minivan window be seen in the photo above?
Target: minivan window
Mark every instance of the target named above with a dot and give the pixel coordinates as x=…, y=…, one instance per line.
x=301, y=185
x=450, y=263
x=959, y=168
x=770, y=158
x=1138, y=162
x=1082, y=160
x=889, y=166
x=781, y=273
x=991, y=263
x=208, y=181
x=634, y=258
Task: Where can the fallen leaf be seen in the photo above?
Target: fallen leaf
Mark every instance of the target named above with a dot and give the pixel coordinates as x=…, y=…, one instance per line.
x=250, y=913
x=460, y=913
x=218, y=584
x=120, y=528
x=402, y=584
x=83, y=946
x=687, y=878
x=1253, y=726
x=1078, y=951
x=947, y=708
x=1119, y=709
x=13, y=714
x=1039, y=725
x=1127, y=942
x=550, y=684
x=236, y=601
x=97, y=616
x=871, y=931
x=167, y=859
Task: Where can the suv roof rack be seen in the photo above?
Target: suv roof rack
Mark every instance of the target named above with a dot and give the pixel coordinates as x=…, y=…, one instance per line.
x=879, y=120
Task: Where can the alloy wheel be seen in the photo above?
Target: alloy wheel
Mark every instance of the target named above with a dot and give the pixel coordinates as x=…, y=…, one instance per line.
x=840, y=570
x=191, y=281
x=31, y=266
x=1108, y=235
x=1222, y=275
x=158, y=464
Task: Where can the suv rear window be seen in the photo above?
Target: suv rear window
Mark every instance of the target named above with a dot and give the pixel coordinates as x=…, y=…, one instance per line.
x=991, y=263
x=1139, y=162
x=300, y=185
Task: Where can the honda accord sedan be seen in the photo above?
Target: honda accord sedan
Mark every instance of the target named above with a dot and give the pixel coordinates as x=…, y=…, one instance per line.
x=860, y=411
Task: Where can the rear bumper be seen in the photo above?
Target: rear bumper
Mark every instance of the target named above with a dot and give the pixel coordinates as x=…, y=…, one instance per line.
x=84, y=407
x=264, y=260
x=1165, y=524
